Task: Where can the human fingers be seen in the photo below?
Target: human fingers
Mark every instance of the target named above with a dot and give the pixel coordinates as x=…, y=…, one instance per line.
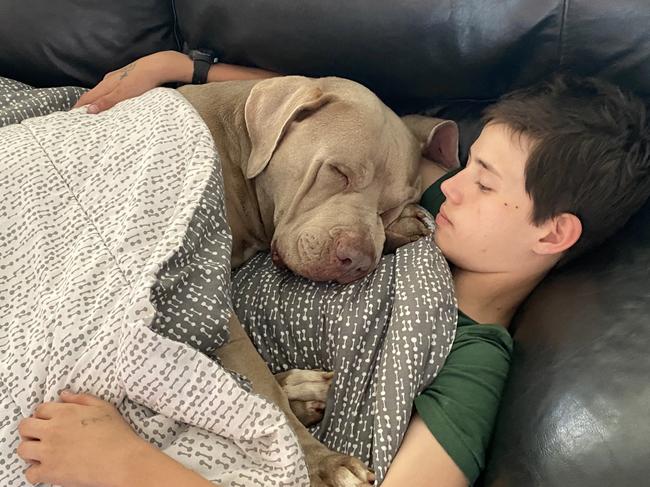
x=31, y=428
x=123, y=89
x=34, y=474
x=44, y=411
x=82, y=399
x=48, y=410
x=105, y=102
x=104, y=87
x=30, y=450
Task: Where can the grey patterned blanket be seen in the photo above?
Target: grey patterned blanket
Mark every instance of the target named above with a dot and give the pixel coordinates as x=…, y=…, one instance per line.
x=113, y=233
x=385, y=337
x=115, y=244
x=19, y=101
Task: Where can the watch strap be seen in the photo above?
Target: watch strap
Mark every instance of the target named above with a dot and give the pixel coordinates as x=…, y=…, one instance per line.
x=200, y=73
x=202, y=59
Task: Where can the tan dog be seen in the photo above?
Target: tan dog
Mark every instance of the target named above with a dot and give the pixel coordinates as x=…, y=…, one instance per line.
x=314, y=169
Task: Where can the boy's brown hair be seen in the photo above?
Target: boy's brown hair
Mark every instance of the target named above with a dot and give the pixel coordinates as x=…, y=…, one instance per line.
x=590, y=155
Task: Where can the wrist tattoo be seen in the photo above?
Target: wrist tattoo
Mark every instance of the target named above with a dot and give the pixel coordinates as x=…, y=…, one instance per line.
x=128, y=68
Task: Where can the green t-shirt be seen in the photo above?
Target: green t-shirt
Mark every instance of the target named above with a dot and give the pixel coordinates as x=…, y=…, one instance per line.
x=460, y=405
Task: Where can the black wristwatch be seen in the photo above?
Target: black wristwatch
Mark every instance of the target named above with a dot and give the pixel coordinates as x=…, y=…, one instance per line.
x=203, y=59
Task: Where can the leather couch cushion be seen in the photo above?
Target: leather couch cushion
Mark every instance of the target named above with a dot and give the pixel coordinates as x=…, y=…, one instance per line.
x=66, y=42
x=575, y=408
x=413, y=53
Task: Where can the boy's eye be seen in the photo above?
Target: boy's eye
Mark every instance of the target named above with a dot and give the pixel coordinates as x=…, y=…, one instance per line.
x=483, y=189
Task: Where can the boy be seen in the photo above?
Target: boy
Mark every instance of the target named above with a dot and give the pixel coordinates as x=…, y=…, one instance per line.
x=558, y=168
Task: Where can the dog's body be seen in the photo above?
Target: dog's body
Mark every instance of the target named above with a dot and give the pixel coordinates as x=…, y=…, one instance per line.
x=314, y=169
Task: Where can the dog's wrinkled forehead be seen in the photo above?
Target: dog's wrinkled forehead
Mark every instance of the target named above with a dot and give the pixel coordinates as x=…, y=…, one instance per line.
x=331, y=134
x=382, y=168
x=370, y=146
x=366, y=133
x=332, y=111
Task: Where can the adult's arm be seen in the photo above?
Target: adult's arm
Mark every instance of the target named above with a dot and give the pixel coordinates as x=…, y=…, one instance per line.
x=83, y=440
x=155, y=70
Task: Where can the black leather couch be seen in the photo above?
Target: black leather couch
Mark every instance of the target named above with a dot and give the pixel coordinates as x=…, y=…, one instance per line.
x=576, y=406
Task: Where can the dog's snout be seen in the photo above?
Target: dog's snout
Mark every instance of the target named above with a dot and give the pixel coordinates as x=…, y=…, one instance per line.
x=354, y=254
x=345, y=256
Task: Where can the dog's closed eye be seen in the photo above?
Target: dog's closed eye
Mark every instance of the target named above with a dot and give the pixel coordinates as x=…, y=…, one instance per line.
x=343, y=179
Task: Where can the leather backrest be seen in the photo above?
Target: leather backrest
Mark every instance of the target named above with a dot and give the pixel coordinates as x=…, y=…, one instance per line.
x=66, y=42
x=413, y=53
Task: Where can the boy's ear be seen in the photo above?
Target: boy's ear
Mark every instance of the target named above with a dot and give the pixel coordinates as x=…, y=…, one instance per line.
x=560, y=233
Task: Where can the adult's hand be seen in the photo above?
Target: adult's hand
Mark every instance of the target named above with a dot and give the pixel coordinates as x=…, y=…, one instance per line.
x=136, y=78
x=78, y=442
x=83, y=441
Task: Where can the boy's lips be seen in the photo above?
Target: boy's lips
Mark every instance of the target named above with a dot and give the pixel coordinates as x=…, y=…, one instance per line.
x=443, y=217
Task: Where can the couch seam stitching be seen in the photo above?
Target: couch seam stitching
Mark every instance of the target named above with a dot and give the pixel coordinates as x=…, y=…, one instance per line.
x=177, y=36
x=563, y=21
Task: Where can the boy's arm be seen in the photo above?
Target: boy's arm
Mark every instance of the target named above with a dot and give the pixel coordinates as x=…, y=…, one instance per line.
x=454, y=416
x=422, y=462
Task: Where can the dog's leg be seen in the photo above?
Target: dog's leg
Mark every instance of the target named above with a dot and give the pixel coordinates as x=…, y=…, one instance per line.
x=326, y=468
x=307, y=392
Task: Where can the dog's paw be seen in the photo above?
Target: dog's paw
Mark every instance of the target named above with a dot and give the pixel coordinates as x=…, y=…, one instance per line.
x=308, y=412
x=307, y=392
x=413, y=223
x=338, y=470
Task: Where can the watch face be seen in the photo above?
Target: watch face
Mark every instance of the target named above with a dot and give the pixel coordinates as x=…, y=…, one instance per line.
x=198, y=55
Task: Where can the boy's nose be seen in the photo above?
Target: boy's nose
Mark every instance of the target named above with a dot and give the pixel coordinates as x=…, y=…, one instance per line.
x=450, y=189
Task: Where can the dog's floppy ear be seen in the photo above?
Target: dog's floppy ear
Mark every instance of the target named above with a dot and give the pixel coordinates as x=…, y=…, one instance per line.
x=439, y=138
x=271, y=107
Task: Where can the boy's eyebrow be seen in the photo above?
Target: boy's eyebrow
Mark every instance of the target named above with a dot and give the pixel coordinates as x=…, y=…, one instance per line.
x=485, y=165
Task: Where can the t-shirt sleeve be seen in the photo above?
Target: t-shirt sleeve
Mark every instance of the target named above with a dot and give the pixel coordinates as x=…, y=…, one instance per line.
x=459, y=407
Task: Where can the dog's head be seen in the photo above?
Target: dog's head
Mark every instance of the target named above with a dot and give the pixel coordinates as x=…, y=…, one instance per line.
x=336, y=165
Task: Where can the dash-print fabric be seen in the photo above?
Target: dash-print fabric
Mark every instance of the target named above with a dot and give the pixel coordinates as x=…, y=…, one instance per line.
x=19, y=101
x=385, y=337
x=115, y=280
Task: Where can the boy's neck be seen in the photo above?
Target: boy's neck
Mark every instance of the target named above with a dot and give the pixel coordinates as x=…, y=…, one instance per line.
x=492, y=297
